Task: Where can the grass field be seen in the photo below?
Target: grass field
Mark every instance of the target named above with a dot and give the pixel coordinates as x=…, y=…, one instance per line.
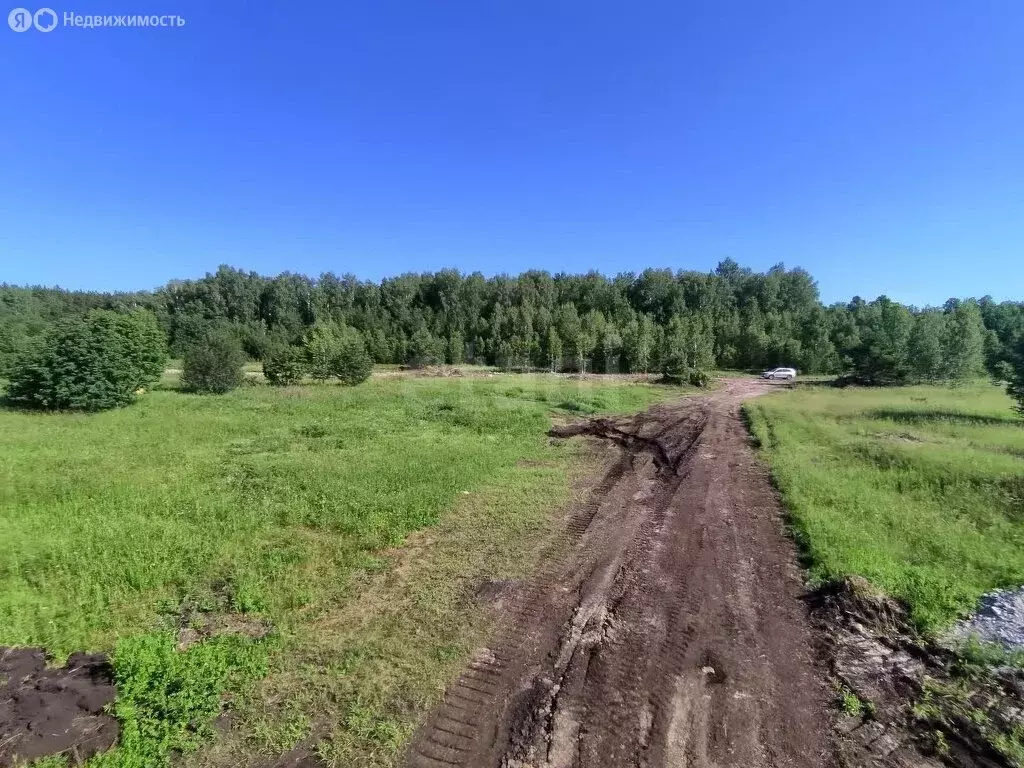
x=920, y=489
x=286, y=505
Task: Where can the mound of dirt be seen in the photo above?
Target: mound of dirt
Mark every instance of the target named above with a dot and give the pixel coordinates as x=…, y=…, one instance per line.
x=920, y=705
x=46, y=711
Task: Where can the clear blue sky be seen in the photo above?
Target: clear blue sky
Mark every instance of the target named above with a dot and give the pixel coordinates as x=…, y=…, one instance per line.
x=878, y=144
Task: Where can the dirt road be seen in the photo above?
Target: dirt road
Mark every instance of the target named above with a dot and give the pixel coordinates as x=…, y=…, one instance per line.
x=665, y=626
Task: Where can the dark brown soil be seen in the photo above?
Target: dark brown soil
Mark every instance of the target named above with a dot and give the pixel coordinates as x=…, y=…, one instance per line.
x=45, y=711
x=664, y=628
x=925, y=708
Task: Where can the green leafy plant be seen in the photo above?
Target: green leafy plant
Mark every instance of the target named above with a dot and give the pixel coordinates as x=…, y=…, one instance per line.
x=852, y=704
x=424, y=349
x=283, y=365
x=337, y=351
x=320, y=349
x=167, y=700
x=91, y=363
x=213, y=365
x=351, y=362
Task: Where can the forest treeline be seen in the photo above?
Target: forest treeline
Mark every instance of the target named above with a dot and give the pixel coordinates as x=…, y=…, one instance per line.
x=729, y=318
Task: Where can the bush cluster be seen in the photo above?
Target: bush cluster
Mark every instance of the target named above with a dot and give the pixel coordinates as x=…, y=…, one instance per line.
x=90, y=363
x=213, y=364
x=283, y=365
x=426, y=349
x=685, y=375
x=352, y=363
x=328, y=352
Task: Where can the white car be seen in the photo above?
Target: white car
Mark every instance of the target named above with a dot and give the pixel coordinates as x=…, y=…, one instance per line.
x=779, y=373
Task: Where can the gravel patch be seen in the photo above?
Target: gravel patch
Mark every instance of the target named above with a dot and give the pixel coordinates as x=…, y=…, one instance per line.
x=999, y=619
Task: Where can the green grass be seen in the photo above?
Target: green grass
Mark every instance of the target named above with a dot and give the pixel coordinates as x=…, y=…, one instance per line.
x=288, y=503
x=851, y=704
x=359, y=675
x=919, y=489
x=167, y=699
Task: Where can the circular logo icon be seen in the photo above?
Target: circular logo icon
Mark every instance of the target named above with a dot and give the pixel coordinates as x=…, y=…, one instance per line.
x=20, y=19
x=45, y=20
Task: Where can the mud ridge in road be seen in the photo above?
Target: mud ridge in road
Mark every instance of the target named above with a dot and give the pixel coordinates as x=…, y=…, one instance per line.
x=923, y=706
x=664, y=627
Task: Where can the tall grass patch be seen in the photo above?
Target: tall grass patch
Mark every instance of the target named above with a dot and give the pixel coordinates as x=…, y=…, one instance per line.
x=279, y=492
x=919, y=489
x=279, y=502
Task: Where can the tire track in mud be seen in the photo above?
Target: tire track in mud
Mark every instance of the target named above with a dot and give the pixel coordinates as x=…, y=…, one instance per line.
x=664, y=626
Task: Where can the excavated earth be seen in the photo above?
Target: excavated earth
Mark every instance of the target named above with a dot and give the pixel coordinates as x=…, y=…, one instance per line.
x=666, y=627
x=924, y=705
x=46, y=710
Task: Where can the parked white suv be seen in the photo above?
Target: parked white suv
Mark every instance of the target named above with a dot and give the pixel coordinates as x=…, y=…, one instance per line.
x=779, y=373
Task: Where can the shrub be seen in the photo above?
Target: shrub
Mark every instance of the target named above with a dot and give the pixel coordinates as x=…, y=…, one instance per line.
x=424, y=349
x=675, y=368
x=213, y=365
x=90, y=363
x=283, y=365
x=321, y=347
x=351, y=362
x=333, y=351
x=680, y=374
x=1015, y=387
x=699, y=379
x=1002, y=371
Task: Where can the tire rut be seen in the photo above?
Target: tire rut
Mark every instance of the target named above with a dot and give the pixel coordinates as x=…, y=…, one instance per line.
x=664, y=626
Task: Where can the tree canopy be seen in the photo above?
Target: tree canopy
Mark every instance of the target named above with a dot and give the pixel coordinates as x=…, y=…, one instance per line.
x=634, y=322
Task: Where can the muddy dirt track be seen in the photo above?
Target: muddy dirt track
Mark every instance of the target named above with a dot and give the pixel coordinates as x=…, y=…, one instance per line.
x=664, y=627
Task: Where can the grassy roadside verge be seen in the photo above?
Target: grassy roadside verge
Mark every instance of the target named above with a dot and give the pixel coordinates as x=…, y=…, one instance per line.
x=919, y=489
x=353, y=681
x=284, y=506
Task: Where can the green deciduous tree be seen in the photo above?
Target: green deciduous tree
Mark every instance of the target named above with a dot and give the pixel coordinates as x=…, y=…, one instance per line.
x=637, y=343
x=688, y=349
x=337, y=351
x=424, y=349
x=607, y=358
x=553, y=348
x=571, y=330
x=321, y=347
x=925, y=346
x=964, y=346
x=881, y=357
x=456, y=348
x=351, y=363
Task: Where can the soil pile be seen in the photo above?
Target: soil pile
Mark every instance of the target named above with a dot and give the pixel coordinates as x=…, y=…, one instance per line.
x=45, y=711
x=921, y=706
